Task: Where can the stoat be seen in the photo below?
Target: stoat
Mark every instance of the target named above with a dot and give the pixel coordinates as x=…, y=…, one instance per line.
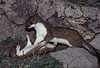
x=46, y=33
x=27, y=49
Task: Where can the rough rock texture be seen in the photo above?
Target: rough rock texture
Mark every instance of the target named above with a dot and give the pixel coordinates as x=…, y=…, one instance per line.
x=5, y=28
x=98, y=15
x=95, y=26
x=87, y=12
x=75, y=58
x=73, y=11
x=45, y=9
x=83, y=1
x=18, y=10
x=96, y=42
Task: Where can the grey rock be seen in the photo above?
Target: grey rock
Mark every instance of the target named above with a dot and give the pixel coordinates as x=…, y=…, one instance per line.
x=57, y=22
x=19, y=31
x=5, y=28
x=75, y=58
x=96, y=42
x=18, y=10
x=98, y=15
x=45, y=9
x=94, y=25
x=59, y=6
x=83, y=1
x=73, y=10
x=90, y=12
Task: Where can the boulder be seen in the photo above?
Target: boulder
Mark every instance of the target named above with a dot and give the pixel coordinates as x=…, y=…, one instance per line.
x=76, y=58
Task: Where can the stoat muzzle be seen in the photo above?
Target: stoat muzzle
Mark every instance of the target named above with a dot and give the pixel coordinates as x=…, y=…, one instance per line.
x=66, y=36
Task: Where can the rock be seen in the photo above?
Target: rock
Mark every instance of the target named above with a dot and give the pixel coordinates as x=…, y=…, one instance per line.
x=96, y=42
x=94, y=25
x=59, y=6
x=73, y=10
x=98, y=15
x=76, y=21
x=83, y=1
x=45, y=9
x=19, y=31
x=18, y=10
x=80, y=25
x=89, y=12
x=75, y=58
x=5, y=28
x=57, y=22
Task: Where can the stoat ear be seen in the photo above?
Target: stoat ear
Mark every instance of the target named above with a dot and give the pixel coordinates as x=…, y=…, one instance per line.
x=18, y=48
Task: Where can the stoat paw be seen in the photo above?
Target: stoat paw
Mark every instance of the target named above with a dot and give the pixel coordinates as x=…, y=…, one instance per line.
x=18, y=48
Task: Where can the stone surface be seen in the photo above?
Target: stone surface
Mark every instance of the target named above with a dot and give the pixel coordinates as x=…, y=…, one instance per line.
x=19, y=31
x=98, y=15
x=75, y=58
x=58, y=22
x=95, y=26
x=96, y=42
x=90, y=12
x=5, y=28
x=18, y=10
x=73, y=10
x=45, y=9
x=59, y=6
x=83, y=1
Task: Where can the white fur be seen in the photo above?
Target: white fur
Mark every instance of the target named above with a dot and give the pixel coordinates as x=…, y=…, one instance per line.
x=25, y=49
x=28, y=41
x=60, y=40
x=33, y=25
x=40, y=35
x=41, y=32
x=48, y=45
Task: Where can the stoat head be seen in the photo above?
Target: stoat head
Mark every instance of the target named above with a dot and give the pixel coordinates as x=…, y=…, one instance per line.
x=32, y=21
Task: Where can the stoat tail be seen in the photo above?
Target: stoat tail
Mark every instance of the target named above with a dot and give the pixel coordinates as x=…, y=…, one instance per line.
x=92, y=50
